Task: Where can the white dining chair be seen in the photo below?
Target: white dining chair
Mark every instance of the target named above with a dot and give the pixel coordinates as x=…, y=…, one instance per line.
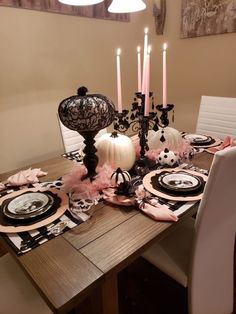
x=72, y=140
x=18, y=295
x=217, y=116
x=199, y=254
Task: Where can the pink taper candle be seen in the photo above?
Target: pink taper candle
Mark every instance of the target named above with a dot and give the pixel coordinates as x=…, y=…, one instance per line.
x=144, y=59
x=139, y=70
x=119, y=95
x=164, y=95
x=147, y=86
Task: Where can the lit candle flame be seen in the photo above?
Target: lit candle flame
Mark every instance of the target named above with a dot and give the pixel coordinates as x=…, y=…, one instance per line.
x=118, y=52
x=138, y=49
x=146, y=30
x=165, y=46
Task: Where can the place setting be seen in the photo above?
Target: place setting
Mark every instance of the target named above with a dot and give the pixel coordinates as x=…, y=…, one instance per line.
x=31, y=208
x=175, y=184
x=31, y=216
x=199, y=141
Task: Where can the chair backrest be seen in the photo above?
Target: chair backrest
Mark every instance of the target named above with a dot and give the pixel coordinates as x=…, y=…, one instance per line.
x=212, y=263
x=217, y=116
x=72, y=140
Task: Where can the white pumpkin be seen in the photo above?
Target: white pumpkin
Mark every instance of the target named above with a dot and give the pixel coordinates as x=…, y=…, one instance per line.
x=173, y=138
x=167, y=157
x=117, y=150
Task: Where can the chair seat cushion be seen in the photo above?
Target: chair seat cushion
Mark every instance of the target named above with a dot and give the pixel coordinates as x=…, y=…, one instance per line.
x=171, y=254
x=18, y=295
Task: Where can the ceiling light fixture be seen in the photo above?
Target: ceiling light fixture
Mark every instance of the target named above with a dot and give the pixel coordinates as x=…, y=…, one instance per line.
x=80, y=2
x=126, y=6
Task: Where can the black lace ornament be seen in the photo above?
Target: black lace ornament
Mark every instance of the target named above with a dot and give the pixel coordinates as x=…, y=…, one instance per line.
x=87, y=114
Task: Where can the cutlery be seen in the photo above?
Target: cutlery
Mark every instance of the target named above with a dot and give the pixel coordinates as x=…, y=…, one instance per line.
x=32, y=242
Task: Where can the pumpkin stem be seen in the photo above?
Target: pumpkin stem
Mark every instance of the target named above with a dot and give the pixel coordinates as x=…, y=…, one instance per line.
x=114, y=134
x=81, y=91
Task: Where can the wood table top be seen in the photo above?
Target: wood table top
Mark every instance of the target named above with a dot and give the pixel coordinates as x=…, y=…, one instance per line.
x=68, y=268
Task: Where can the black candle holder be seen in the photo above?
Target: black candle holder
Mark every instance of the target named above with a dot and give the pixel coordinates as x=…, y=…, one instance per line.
x=141, y=124
x=164, y=113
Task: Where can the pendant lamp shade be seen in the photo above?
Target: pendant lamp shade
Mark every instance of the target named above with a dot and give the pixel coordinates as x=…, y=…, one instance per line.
x=80, y=2
x=126, y=6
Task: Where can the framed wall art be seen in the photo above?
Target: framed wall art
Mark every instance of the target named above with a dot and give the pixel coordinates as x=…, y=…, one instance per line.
x=207, y=17
x=93, y=11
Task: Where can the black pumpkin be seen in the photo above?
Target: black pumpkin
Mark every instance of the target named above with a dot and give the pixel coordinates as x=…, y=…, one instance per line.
x=86, y=113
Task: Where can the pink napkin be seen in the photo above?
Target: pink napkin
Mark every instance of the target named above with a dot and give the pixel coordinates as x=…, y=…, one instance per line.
x=26, y=177
x=150, y=206
x=228, y=142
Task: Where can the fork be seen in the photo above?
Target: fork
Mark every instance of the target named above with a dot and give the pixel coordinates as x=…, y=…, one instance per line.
x=55, y=230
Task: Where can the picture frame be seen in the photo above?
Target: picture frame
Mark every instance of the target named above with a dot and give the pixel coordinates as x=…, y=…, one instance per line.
x=207, y=17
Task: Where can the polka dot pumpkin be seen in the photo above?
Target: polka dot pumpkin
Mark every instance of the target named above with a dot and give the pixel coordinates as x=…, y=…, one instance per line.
x=167, y=157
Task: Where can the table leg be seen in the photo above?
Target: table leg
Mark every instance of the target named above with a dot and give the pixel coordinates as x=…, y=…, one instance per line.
x=105, y=300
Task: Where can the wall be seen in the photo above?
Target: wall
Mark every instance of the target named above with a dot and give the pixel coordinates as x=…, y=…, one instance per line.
x=44, y=57
x=196, y=66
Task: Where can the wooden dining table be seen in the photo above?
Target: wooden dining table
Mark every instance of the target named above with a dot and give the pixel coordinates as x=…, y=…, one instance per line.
x=85, y=261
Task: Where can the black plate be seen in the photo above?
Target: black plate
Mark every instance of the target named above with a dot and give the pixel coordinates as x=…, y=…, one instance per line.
x=180, y=181
x=198, y=139
x=28, y=205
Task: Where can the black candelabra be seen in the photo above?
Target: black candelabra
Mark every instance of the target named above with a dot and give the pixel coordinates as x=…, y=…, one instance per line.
x=141, y=123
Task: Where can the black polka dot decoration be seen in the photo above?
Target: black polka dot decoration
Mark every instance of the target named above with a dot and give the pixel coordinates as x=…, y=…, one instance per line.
x=162, y=139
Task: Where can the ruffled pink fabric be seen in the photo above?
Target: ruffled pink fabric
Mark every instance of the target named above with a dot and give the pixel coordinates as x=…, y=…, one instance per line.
x=26, y=177
x=228, y=142
x=151, y=207
x=72, y=182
